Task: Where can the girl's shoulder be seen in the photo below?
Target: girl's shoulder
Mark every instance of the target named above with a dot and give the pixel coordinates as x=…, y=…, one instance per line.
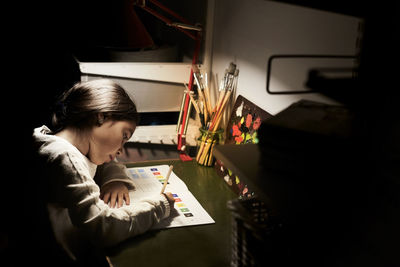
x=53, y=148
x=58, y=154
x=51, y=145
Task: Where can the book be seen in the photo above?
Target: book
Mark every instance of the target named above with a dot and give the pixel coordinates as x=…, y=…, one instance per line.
x=187, y=210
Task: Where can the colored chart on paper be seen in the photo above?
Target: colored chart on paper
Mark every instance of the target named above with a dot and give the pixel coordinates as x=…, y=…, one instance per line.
x=187, y=210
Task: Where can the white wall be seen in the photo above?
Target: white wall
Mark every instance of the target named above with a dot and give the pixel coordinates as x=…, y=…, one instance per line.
x=248, y=32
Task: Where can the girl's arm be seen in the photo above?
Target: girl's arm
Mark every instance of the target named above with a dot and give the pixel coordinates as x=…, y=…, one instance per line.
x=114, y=184
x=112, y=172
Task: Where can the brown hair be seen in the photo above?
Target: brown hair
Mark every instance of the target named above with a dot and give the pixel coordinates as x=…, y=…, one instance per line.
x=80, y=106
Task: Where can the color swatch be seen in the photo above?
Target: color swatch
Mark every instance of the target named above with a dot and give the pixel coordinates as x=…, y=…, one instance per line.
x=182, y=208
x=137, y=173
x=142, y=173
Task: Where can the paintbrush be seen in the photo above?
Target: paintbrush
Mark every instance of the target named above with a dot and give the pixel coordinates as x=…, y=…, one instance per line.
x=207, y=93
x=230, y=87
x=181, y=112
x=196, y=107
x=202, y=90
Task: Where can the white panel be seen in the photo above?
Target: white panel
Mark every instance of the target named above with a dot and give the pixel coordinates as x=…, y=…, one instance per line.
x=248, y=32
x=149, y=96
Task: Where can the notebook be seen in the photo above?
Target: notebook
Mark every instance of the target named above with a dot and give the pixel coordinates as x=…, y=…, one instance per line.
x=187, y=210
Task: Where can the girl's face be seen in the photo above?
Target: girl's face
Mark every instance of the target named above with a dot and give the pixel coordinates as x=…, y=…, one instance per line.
x=107, y=140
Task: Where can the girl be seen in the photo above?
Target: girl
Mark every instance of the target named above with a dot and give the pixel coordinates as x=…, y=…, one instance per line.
x=84, y=187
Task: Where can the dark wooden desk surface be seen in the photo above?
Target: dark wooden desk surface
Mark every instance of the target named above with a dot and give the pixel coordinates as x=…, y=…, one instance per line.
x=203, y=245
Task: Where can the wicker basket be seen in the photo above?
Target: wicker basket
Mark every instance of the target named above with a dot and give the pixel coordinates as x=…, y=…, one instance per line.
x=253, y=237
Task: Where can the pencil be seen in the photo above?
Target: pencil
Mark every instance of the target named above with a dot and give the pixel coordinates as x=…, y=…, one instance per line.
x=167, y=178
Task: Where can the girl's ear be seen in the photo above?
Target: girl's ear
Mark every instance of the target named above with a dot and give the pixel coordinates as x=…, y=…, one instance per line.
x=100, y=119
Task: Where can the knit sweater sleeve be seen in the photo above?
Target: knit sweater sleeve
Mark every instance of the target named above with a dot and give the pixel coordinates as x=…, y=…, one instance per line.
x=111, y=172
x=76, y=191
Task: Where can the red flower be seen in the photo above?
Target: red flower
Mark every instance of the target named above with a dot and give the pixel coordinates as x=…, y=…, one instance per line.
x=257, y=123
x=236, y=131
x=249, y=119
x=239, y=139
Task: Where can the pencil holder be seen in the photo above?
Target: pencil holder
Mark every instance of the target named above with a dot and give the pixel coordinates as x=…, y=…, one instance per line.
x=205, y=146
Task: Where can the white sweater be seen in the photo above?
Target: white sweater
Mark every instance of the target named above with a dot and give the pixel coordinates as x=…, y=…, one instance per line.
x=76, y=212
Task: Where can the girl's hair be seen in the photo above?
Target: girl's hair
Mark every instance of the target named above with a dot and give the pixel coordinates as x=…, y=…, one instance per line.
x=80, y=106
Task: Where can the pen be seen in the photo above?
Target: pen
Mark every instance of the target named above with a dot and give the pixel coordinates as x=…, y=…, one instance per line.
x=166, y=179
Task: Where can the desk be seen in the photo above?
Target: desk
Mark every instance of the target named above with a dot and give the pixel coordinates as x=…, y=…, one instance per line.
x=203, y=245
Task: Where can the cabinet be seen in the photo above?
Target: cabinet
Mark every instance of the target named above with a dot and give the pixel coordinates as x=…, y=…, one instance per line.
x=308, y=172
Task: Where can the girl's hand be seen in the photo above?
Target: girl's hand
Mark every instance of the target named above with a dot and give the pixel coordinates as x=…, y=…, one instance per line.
x=170, y=199
x=115, y=193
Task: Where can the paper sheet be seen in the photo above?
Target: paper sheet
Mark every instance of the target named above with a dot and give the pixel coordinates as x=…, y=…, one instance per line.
x=187, y=210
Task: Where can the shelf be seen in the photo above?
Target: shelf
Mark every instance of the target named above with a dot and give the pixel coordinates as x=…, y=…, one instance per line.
x=164, y=72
